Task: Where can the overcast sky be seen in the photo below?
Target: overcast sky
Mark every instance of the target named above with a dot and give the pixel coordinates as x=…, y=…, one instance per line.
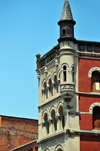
x=28, y=27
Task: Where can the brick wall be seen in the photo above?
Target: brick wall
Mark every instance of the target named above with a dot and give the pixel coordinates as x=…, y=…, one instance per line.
x=89, y=143
x=16, y=131
x=84, y=66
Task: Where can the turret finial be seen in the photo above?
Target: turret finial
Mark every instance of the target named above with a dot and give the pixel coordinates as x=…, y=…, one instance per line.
x=66, y=14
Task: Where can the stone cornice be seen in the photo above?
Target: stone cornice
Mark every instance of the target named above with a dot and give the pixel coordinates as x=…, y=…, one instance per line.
x=70, y=132
x=88, y=55
x=49, y=137
x=83, y=132
x=50, y=101
x=91, y=93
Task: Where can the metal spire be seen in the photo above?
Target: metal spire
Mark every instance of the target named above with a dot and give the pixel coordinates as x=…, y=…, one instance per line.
x=66, y=14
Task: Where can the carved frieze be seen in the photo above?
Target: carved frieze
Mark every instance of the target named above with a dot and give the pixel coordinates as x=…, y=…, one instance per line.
x=67, y=87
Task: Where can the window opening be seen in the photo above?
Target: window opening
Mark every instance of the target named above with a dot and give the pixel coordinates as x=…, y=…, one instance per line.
x=46, y=123
x=96, y=118
x=59, y=150
x=64, y=31
x=64, y=73
x=54, y=121
x=50, y=88
x=95, y=81
x=45, y=91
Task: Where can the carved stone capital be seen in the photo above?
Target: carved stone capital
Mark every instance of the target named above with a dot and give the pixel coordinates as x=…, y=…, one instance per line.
x=57, y=117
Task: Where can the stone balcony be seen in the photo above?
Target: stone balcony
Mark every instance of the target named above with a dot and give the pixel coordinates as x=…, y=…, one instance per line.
x=67, y=89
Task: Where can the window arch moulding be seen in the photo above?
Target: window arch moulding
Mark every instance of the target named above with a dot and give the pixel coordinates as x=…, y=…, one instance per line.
x=92, y=106
x=59, y=148
x=92, y=70
x=43, y=113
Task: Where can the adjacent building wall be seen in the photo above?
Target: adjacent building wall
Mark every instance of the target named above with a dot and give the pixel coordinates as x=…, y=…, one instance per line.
x=15, y=132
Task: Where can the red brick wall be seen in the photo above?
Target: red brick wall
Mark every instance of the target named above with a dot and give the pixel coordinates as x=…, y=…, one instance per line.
x=89, y=143
x=85, y=102
x=17, y=131
x=84, y=66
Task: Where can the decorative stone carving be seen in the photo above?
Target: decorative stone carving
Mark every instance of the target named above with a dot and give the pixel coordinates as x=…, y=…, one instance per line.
x=54, y=144
x=67, y=87
x=92, y=70
x=92, y=106
x=46, y=69
x=58, y=147
x=43, y=113
x=38, y=74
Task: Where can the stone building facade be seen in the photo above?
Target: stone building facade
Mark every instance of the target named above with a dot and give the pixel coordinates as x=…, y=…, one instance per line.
x=69, y=92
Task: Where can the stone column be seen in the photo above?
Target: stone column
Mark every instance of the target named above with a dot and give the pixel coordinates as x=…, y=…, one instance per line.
x=58, y=123
x=50, y=126
x=44, y=130
x=58, y=86
x=61, y=126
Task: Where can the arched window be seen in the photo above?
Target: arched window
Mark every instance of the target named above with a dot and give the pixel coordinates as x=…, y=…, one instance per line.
x=50, y=88
x=62, y=123
x=96, y=118
x=46, y=123
x=54, y=122
x=59, y=150
x=95, y=80
x=55, y=84
x=64, y=73
x=45, y=91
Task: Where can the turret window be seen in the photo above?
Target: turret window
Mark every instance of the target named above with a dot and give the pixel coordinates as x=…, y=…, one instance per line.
x=64, y=31
x=64, y=73
x=95, y=81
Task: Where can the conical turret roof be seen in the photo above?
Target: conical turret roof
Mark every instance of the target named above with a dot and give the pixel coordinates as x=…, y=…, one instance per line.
x=66, y=14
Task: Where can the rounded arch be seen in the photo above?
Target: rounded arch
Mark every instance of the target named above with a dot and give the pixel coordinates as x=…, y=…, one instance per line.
x=59, y=147
x=47, y=149
x=61, y=67
x=52, y=108
x=60, y=104
x=92, y=106
x=43, y=84
x=64, y=64
x=43, y=115
x=49, y=79
x=92, y=70
x=53, y=76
